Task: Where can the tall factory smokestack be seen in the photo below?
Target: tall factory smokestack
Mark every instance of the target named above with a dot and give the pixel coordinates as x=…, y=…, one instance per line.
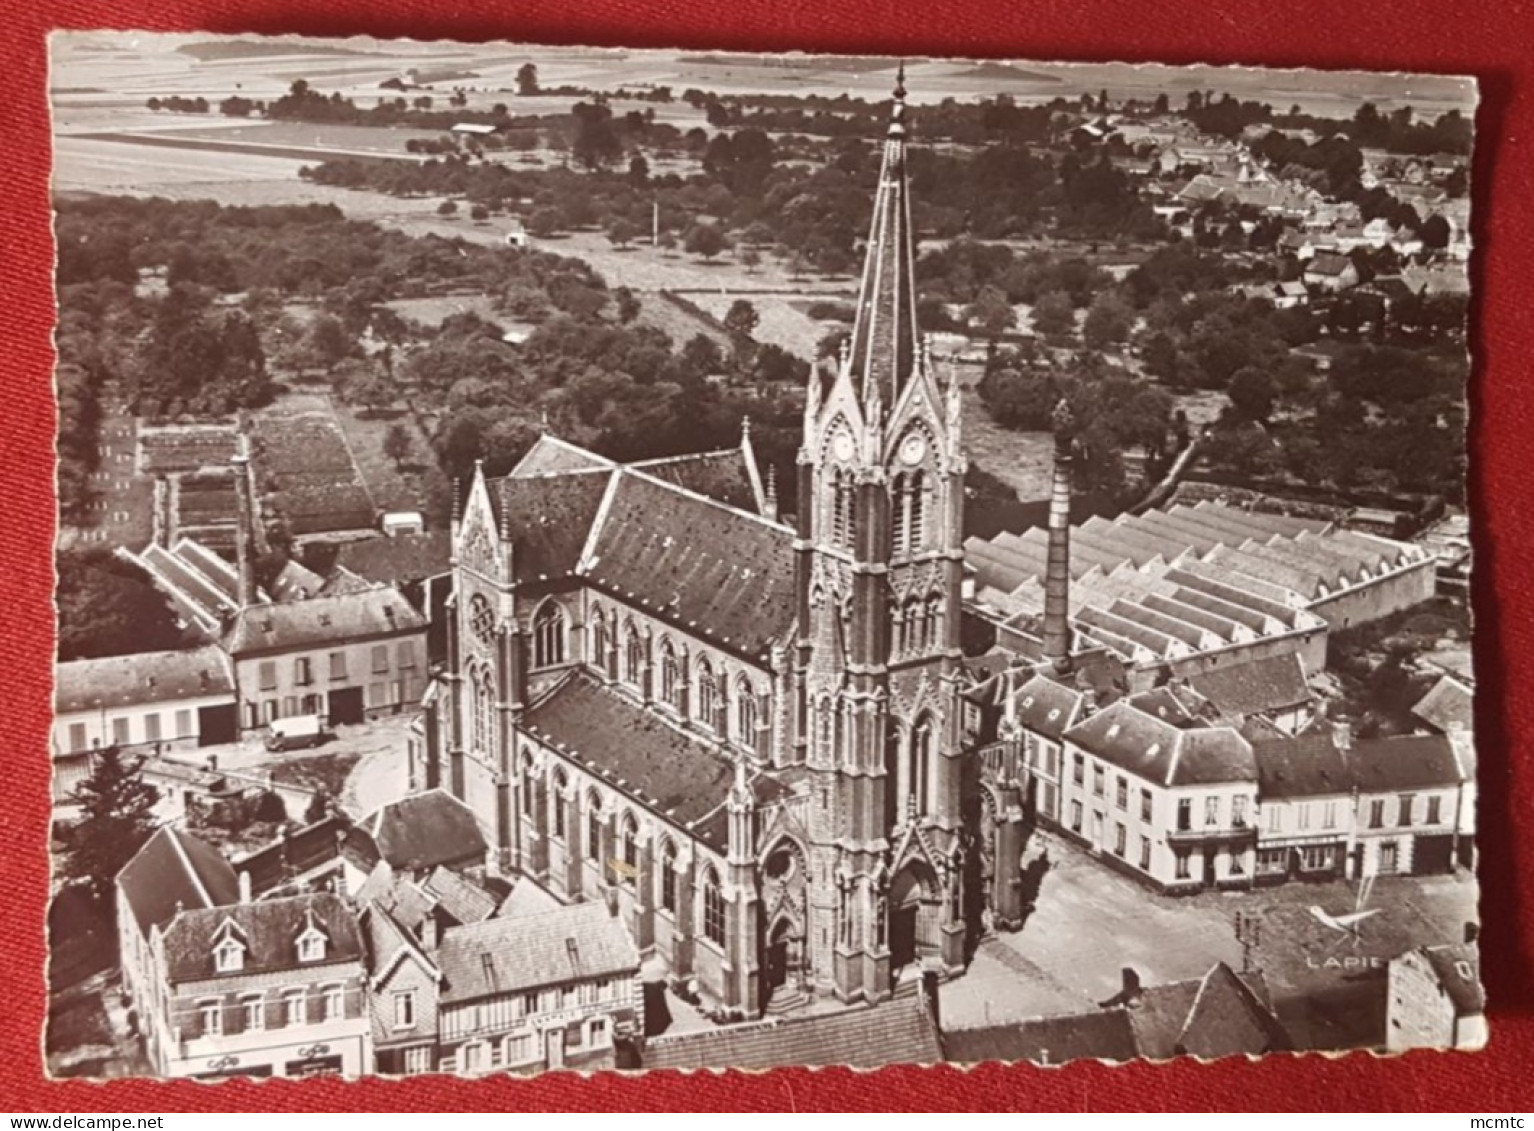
x=1057, y=578
x=244, y=542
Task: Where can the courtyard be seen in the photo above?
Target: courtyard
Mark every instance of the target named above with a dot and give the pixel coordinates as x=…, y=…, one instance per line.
x=1091, y=923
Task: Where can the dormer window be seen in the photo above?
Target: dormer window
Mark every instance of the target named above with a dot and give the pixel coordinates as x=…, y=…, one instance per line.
x=228, y=948
x=229, y=956
x=311, y=945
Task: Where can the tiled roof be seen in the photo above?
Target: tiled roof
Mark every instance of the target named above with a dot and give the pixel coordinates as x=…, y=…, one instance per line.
x=322, y=620
x=1155, y=750
x=1218, y=1015
x=1328, y=263
x=724, y=476
x=1382, y=765
x=398, y=560
x=722, y=573
x=1458, y=966
x=1104, y=1035
x=1448, y=706
x=1274, y=683
x=1172, y=705
x=682, y=776
x=1046, y=707
x=549, y=519
x=270, y=930
x=175, y=871
x=576, y=943
x=143, y=678
x=1308, y=765
x=550, y=453
x=424, y=830
x=459, y=898
x=305, y=849
x=896, y=1032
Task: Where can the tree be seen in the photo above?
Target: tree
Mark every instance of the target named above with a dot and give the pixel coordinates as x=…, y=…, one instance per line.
x=366, y=383
x=327, y=341
x=479, y=213
x=628, y=305
x=1252, y=392
x=108, y=607
x=622, y=232
x=596, y=144
x=1108, y=321
x=741, y=320
x=117, y=817
x=639, y=169
x=1435, y=233
x=447, y=208
x=991, y=312
x=545, y=222
x=527, y=80
x=705, y=240
x=397, y=444
x=1053, y=315
x=750, y=259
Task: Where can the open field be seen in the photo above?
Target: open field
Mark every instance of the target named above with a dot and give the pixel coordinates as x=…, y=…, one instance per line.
x=392, y=488
x=435, y=310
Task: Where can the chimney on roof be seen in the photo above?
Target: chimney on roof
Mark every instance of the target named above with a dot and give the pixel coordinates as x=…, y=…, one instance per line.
x=1342, y=734
x=244, y=887
x=1057, y=575
x=429, y=933
x=244, y=539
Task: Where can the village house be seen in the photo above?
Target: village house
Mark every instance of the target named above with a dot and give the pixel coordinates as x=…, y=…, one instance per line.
x=1331, y=271
x=347, y=657
x=1411, y=804
x=1175, y=807
x=523, y=993
x=1306, y=802
x=149, y=701
x=1221, y=1014
x=418, y=834
x=224, y=986
x=1435, y=1000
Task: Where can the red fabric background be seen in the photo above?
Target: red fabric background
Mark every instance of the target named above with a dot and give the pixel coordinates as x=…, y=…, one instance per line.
x=1491, y=39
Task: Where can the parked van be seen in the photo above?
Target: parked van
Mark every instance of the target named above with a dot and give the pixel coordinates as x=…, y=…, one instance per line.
x=296, y=733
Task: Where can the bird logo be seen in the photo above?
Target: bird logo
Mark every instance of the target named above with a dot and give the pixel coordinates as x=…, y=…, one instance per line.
x=1347, y=925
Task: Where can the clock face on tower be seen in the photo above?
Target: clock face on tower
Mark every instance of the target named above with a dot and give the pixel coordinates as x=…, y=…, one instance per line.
x=481, y=620
x=914, y=448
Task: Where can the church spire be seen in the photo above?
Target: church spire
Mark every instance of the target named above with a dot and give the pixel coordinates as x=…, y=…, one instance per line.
x=883, y=351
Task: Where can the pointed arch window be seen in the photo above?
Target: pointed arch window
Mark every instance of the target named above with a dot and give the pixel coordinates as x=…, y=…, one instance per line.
x=529, y=775
x=708, y=695
x=713, y=908
x=629, y=845
x=599, y=638
x=921, y=764
x=842, y=495
x=482, y=723
x=549, y=636
x=593, y=827
x=745, y=716
x=634, y=657
x=668, y=870
x=670, y=676
x=561, y=788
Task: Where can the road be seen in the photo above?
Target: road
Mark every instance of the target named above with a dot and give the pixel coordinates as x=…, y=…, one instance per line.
x=1091, y=922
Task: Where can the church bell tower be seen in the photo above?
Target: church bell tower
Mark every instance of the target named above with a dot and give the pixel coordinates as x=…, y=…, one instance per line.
x=879, y=552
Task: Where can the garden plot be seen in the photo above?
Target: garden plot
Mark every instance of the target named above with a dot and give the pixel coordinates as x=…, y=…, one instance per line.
x=205, y=508
x=171, y=450
x=406, y=485
x=306, y=471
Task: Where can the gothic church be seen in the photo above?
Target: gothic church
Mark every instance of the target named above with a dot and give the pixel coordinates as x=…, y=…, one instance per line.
x=747, y=733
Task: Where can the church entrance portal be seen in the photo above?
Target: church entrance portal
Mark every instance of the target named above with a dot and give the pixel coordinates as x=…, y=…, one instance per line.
x=782, y=965
x=912, y=916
